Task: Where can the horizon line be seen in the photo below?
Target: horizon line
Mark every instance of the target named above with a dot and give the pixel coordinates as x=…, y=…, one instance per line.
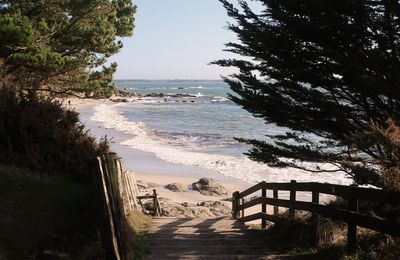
x=144, y=79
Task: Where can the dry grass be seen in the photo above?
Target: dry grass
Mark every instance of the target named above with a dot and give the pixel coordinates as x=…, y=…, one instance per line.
x=328, y=239
x=134, y=234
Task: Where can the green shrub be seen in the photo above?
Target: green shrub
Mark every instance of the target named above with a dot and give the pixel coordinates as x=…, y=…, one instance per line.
x=41, y=134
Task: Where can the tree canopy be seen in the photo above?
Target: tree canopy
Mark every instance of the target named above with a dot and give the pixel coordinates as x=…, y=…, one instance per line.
x=327, y=70
x=62, y=45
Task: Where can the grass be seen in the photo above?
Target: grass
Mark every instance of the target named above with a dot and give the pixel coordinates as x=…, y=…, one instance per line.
x=296, y=237
x=135, y=228
x=46, y=216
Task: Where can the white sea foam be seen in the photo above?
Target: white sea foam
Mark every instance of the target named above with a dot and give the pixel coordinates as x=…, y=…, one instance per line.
x=218, y=99
x=145, y=139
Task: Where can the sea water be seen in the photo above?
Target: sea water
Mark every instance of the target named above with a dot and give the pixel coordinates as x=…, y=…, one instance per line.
x=199, y=130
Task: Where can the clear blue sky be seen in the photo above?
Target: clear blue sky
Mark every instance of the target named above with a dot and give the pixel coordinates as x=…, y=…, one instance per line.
x=175, y=39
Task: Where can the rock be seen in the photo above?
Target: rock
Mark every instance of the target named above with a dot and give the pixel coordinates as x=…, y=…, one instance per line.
x=176, y=187
x=188, y=204
x=187, y=209
x=142, y=184
x=124, y=93
x=216, y=207
x=179, y=210
x=119, y=100
x=154, y=95
x=209, y=187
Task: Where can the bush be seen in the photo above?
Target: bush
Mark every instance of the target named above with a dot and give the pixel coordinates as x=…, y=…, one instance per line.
x=41, y=134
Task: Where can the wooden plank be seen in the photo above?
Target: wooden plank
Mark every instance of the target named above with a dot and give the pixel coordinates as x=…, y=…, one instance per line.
x=250, y=203
x=370, y=194
x=374, y=223
x=109, y=212
x=352, y=227
x=252, y=217
x=262, y=216
x=251, y=190
x=146, y=197
x=264, y=208
x=275, y=196
x=133, y=188
x=242, y=209
x=235, y=204
x=292, y=210
x=315, y=218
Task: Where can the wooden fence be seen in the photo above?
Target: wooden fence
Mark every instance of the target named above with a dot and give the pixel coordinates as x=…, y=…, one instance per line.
x=351, y=215
x=117, y=195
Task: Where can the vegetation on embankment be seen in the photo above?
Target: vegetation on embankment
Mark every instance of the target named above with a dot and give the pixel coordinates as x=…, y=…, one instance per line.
x=45, y=216
x=41, y=135
x=329, y=240
x=134, y=231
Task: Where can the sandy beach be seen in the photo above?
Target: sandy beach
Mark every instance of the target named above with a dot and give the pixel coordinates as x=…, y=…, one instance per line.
x=150, y=169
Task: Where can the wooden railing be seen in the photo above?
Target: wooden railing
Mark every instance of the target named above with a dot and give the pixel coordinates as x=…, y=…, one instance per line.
x=351, y=215
x=156, y=204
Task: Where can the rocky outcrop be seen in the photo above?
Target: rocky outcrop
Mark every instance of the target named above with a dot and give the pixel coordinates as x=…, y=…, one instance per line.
x=176, y=187
x=124, y=93
x=169, y=95
x=209, y=187
x=216, y=207
x=202, y=209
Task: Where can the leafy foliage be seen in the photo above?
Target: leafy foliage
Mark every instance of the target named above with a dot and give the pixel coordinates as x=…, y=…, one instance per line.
x=41, y=135
x=324, y=70
x=58, y=46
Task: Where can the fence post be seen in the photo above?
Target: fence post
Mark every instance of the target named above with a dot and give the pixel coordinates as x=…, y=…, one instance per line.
x=292, y=199
x=242, y=211
x=264, y=206
x=315, y=217
x=315, y=200
x=155, y=204
x=351, y=227
x=235, y=204
x=276, y=208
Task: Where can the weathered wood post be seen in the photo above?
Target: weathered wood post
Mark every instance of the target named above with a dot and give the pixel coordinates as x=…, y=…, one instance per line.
x=292, y=211
x=235, y=204
x=264, y=205
x=242, y=211
x=315, y=218
x=276, y=196
x=352, y=227
x=155, y=204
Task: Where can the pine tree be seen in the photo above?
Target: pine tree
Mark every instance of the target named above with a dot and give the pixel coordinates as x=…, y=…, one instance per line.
x=328, y=72
x=61, y=45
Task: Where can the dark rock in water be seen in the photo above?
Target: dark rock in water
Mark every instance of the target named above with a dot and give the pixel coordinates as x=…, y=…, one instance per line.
x=176, y=187
x=154, y=95
x=209, y=187
x=124, y=93
x=180, y=88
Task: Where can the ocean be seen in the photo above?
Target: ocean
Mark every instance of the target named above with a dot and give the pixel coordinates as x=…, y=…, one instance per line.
x=197, y=131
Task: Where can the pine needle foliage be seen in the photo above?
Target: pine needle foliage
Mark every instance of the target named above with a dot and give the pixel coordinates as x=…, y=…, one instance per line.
x=327, y=71
x=61, y=46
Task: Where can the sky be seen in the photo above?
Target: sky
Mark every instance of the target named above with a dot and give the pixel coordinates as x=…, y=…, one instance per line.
x=175, y=39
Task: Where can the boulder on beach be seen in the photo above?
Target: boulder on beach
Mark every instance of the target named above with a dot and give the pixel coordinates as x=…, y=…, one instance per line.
x=142, y=185
x=216, y=207
x=188, y=209
x=209, y=187
x=176, y=187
